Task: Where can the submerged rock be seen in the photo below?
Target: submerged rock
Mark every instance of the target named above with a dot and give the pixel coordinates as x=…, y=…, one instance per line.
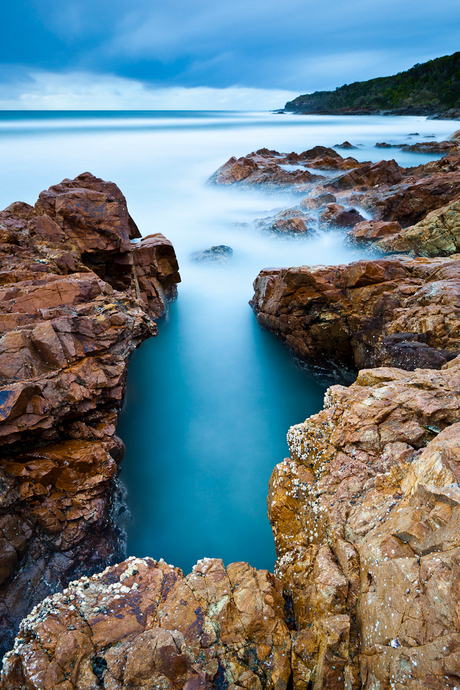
x=345, y=145
x=142, y=624
x=77, y=297
x=220, y=253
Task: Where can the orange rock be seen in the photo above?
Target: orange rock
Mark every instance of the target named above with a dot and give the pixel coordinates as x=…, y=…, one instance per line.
x=142, y=624
x=71, y=312
x=365, y=516
x=370, y=230
x=386, y=312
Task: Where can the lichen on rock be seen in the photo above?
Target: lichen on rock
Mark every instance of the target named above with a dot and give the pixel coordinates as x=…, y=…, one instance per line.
x=142, y=624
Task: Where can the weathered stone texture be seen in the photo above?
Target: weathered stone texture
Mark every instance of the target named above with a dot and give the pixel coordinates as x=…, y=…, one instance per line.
x=397, y=312
x=365, y=515
x=141, y=624
x=76, y=298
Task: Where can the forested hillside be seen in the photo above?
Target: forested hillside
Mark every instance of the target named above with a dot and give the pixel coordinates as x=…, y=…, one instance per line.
x=430, y=88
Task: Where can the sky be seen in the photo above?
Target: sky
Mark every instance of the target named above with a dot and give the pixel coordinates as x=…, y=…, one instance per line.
x=206, y=54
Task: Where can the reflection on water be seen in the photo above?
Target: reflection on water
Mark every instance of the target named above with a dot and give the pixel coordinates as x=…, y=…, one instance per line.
x=209, y=401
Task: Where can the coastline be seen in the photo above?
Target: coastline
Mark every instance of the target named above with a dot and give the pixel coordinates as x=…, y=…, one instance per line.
x=322, y=503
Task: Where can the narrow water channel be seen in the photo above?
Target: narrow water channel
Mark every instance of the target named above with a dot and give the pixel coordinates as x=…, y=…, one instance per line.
x=209, y=401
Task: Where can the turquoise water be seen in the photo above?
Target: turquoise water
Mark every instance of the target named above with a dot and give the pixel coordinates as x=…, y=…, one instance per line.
x=210, y=399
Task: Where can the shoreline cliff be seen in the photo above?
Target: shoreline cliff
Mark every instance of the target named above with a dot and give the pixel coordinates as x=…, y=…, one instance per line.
x=77, y=296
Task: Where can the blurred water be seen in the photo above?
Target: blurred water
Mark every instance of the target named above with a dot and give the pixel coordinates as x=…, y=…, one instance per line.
x=210, y=400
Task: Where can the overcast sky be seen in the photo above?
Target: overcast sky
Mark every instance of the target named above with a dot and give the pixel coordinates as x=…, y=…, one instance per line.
x=206, y=53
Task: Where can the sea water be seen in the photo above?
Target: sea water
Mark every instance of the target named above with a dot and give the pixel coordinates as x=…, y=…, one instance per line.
x=209, y=401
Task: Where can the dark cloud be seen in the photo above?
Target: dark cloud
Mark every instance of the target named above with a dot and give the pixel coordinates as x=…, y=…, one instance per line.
x=300, y=45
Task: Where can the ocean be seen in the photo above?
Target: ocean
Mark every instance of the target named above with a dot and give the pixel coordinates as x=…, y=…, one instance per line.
x=209, y=401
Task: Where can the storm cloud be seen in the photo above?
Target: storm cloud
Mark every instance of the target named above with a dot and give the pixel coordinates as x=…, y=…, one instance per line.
x=297, y=45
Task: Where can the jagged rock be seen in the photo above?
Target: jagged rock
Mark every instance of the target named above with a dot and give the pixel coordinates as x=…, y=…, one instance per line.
x=432, y=147
x=370, y=230
x=319, y=201
x=77, y=297
x=448, y=163
x=436, y=235
x=292, y=221
x=338, y=317
x=258, y=170
x=345, y=145
x=391, y=193
x=295, y=225
x=141, y=624
x=336, y=214
x=410, y=201
x=263, y=168
x=328, y=162
x=369, y=175
x=218, y=254
x=365, y=515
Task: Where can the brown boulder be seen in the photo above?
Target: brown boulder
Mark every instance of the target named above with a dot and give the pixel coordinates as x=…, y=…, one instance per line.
x=370, y=230
x=370, y=175
x=141, y=624
x=91, y=213
x=156, y=286
x=295, y=225
x=343, y=318
x=410, y=201
x=336, y=214
x=76, y=299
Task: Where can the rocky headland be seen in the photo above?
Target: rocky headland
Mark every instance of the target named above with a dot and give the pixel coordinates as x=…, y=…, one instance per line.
x=430, y=88
x=77, y=297
x=365, y=512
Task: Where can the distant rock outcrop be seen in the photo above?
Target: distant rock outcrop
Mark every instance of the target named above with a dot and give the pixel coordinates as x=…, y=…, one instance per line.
x=431, y=88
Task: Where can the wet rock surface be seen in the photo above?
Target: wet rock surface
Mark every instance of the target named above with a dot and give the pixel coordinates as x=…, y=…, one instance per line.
x=77, y=297
x=142, y=624
x=383, y=190
x=220, y=253
x=344, y=318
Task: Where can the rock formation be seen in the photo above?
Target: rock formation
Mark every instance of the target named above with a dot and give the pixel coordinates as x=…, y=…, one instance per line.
x=219, y=253
x=263, y=168
x=365, y=515
x=141, y=624
x=366, y=510
x=77, y=297
x=438, y=234
x=420, y=202
x=400, y=312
